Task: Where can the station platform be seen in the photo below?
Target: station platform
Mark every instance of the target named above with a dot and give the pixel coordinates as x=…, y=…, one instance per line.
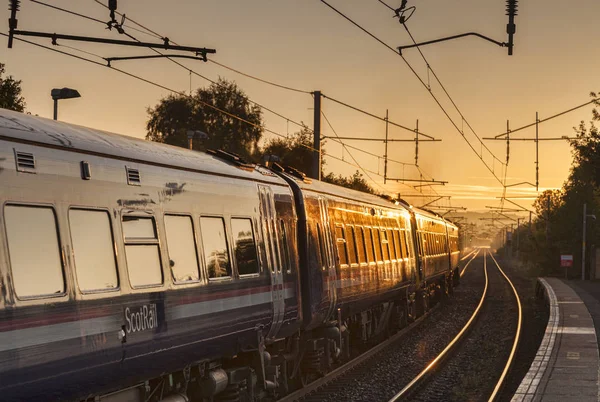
x=566, y=366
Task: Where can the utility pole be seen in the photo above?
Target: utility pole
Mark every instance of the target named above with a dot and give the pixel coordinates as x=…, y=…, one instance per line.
x=507, y=141
x=583, y=243
x=316, y=165
x=417, y=144
x=547, y=219
x=537, y=160
x=518, y=236
x=385, y=157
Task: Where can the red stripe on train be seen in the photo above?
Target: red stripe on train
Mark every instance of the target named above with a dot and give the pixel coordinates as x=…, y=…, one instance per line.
x=97, y=312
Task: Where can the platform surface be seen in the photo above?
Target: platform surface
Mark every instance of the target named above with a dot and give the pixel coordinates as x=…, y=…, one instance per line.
x=566, y=366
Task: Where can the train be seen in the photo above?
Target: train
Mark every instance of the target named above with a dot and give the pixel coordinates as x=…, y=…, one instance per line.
x=138, y=271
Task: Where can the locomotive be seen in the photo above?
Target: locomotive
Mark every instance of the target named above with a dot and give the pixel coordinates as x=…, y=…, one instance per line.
x=138, y=271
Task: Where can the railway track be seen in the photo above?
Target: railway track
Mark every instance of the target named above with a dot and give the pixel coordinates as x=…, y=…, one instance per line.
x=343, y=374
x=346, y=375
x=358, y=380
x=424, y=387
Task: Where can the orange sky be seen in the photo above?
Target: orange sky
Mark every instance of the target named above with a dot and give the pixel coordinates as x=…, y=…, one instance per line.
x=305, y=45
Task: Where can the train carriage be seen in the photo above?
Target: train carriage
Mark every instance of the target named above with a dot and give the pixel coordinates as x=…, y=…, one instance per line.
x=358, y=264
x=137, y=271
x=122, y=259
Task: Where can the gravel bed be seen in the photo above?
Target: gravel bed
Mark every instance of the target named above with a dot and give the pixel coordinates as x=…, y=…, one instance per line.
x=383, y=376
x=535, y=318
x=473, y=370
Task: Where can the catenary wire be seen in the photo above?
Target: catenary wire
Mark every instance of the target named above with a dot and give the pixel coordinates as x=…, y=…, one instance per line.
x=490, y=169
x=429, y=68
x=349, y=153
x=180, y=93
x=374, y=116
x=85, y=16
x=274, y=84
x=153, y=33
x=220, y=64
x=449, y=97
x=296, y=90
x=550, y=118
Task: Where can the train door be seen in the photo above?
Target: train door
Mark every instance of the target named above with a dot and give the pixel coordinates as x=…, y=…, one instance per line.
x=271, y=240
x=329, y=257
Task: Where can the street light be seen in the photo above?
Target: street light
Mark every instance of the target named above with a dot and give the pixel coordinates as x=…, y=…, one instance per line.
x=585, y=216
x=62, y=93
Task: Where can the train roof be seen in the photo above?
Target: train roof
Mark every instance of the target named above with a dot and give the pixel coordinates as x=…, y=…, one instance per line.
x=35, y=130
x=343, y=192
x=432, y=215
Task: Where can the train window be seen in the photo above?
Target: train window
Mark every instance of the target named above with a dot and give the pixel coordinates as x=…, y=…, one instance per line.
x=429, y=243
x=392, y=244
x=341, y=245
x=244, y=246
x=142, y=251
x=351, y=245
x=321, y=247
x=93, y=250
x=216, y=252
x=360, y=244
x=181, y=245
x=34, y=251
x=369, y=245
x=287, y=261
x=385, y=245
x=399, y=245
x=377, y=245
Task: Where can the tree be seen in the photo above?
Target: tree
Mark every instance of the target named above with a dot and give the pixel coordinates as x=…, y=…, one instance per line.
x=10, y=92
x=355, y=182
x=295, y=150
x=547, y=204
x=175, y=115
x=558, y=229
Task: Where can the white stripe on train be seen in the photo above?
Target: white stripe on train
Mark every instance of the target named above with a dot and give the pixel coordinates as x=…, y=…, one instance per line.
x=34, y=336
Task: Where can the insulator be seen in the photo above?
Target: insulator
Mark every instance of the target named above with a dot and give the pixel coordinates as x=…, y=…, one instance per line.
x=512, y=7
x=112, y=5
x=14, y=5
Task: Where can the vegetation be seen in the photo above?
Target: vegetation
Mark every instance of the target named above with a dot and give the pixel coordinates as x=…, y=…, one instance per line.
x=10, y=92
x=175, y=115
x=558, y=225
x=356, y=182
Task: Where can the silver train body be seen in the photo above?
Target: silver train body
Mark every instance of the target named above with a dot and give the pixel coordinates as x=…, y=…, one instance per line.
x=131, y=270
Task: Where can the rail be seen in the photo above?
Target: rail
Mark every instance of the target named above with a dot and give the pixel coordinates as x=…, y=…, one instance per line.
x=357, y=361
x=411, y=387
x=467, y=264
x=418, y=380
x=513, y=351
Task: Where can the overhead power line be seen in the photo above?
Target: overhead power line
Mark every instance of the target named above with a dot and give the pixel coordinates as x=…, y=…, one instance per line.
x=259, y=79
x=221, y=64
x=375, y=116
x=169, y=57
x=349, y=153
x=546, y=119
x=155, y=34
x=137, y=77
x=461, y=132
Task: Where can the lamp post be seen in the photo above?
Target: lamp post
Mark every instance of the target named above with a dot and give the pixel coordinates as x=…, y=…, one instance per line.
x=585, y=216
x=518, y=236
x=62, y=93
